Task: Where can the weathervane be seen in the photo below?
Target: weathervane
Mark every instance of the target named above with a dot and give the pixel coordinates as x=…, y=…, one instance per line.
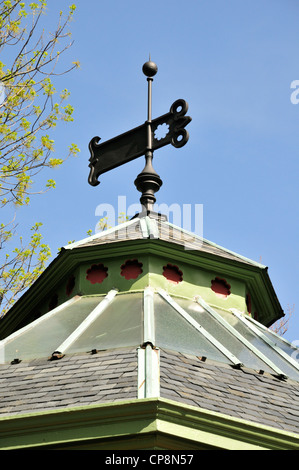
x=141, y=141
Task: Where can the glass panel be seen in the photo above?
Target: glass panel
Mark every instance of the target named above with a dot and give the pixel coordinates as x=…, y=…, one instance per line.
x=261, y=345
x=119, y=325
x=44, y=338
x=292, y=351
x=174, y=332
x=227, y=339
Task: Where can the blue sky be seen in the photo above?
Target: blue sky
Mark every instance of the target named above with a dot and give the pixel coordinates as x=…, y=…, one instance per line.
x=233, y=62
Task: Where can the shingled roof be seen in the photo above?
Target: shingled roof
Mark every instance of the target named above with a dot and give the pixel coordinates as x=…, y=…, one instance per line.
x=109, y=376
x=242, y=393
x=75, y=380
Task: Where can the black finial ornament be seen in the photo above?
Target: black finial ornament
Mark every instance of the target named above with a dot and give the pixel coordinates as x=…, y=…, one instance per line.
x=141, y=141
x=150, y=68
x=148, y=182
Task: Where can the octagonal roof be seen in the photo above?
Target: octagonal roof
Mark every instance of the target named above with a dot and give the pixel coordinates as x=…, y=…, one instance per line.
x=163, y=336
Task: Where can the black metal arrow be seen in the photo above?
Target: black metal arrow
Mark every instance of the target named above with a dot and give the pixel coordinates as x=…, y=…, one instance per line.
x=133, y=144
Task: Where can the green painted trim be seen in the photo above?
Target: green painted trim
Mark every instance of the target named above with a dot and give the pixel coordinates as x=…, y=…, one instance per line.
x=149, y=334
x=256, y=279
x=117, y=423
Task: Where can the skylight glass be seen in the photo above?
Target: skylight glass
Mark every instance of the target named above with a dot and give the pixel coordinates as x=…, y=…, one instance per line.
x=262, y=346
x=175, y=333
x=117, y=326
x=179, y=324
x=41, y=337
x=223, y=335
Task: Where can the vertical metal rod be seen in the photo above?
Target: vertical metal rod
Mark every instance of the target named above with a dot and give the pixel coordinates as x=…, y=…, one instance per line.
x=149, y=114
x=149, y=109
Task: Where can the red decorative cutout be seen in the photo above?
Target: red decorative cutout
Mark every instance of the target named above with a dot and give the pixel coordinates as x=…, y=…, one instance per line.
x=172, y=273
x=131, y=269
x=96, y=273
x=70, y=285
x=220, y=287
x=248, y=303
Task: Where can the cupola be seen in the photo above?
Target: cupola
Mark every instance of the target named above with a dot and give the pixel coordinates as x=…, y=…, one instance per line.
x=147, y=336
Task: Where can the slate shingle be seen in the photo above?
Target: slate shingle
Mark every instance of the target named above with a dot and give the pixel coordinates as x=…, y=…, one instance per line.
x=73, y=380
x=109, y=376
x=240, y=393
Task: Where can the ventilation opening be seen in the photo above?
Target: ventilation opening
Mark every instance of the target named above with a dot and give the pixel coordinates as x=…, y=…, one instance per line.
x=131, y=269
x=172, y=273
x=70, y=285
x=220, y=287
x=248, y=303
x=96, y=273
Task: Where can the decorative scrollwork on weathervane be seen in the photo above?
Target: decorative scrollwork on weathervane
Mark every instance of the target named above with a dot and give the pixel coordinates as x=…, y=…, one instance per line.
x=141, y=141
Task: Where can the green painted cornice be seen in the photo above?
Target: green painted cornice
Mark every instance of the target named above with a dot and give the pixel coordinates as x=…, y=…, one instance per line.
x=139, y=424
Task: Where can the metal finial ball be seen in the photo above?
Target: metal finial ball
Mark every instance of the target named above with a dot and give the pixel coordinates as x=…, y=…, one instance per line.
x=150, y=68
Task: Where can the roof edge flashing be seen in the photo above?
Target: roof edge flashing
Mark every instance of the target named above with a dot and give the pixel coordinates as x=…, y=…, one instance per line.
x=198, y=424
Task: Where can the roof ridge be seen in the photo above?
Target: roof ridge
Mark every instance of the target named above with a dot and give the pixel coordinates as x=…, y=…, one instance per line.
x=226, y=250
x=101, y=234
x=149, y=227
